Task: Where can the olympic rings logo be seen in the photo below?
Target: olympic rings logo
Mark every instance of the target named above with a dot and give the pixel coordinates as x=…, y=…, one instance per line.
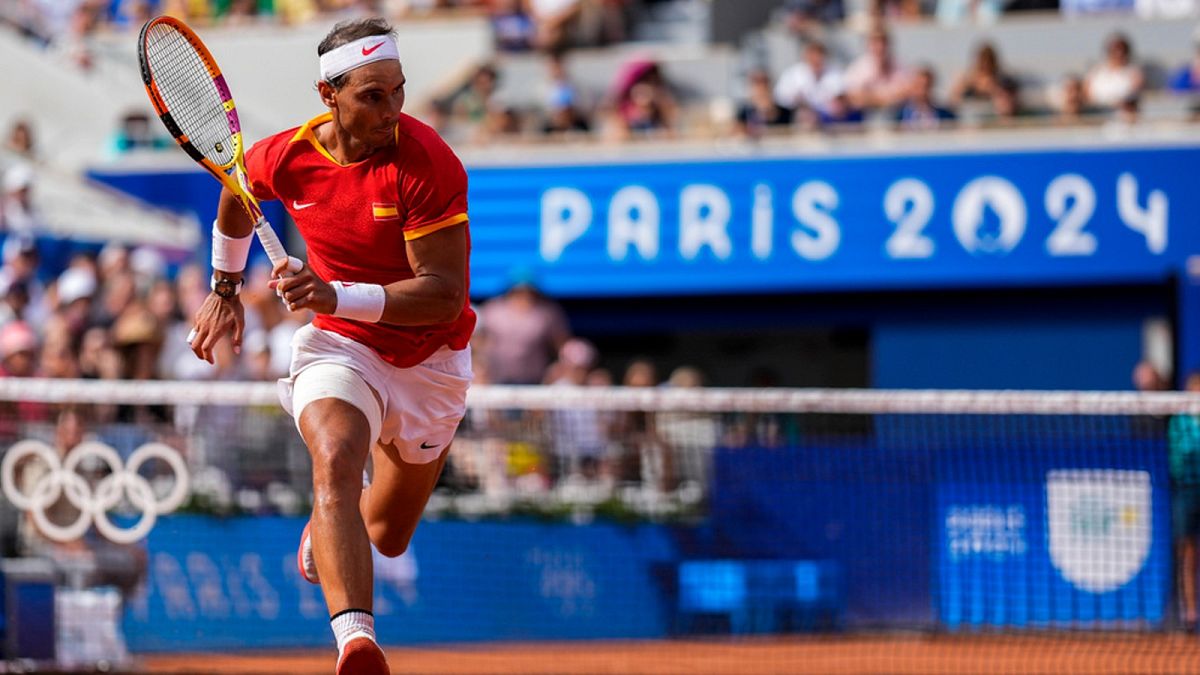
x=62, y=479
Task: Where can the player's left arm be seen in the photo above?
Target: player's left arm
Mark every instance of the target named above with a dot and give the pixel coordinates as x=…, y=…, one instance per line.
x=437, y=241
x=436, y=294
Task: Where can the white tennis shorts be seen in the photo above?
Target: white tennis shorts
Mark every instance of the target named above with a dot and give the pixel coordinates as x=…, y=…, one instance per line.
x=418, y=408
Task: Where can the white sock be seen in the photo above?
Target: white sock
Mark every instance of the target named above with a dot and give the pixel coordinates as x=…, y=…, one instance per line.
x=350, y=624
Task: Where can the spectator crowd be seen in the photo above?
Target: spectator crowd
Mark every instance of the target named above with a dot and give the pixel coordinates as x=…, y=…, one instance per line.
x=112, y=311
x=821, y=93
x=830, y=89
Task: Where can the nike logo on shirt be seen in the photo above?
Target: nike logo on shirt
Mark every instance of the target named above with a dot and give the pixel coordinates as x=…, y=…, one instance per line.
x=426, y=446
x=300, y=207
x=367, y=52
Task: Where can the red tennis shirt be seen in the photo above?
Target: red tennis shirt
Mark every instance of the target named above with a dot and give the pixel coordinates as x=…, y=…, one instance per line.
x=356, y=218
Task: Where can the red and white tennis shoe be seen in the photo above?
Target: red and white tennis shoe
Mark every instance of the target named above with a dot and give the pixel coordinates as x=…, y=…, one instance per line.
x=363, y=657
x=306, y=562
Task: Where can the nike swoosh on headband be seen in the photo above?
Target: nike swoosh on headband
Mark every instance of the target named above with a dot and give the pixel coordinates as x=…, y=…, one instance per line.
x=358, y=53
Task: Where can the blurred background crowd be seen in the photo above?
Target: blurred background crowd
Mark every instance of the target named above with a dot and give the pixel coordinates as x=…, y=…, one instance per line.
x=847, y=77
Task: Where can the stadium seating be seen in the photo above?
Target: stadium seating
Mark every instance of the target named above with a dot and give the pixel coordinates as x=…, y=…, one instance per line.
x=1041, y=49
x=758, y=596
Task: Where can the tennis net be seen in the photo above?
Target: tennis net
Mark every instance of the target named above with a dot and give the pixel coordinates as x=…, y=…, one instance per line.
x=592, y=529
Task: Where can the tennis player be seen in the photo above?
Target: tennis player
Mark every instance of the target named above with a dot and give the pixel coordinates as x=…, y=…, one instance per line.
x=383, y=369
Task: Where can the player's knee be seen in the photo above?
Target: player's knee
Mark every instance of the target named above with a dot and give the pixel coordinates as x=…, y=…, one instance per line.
x=389, y=540
x=334, y=465
x=392, y=549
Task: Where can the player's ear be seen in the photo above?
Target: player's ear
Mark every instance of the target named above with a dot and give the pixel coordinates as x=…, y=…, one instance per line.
x=327, y=93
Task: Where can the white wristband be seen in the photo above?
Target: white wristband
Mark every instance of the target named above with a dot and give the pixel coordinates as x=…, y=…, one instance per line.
x=361, y=302
x=229, y=254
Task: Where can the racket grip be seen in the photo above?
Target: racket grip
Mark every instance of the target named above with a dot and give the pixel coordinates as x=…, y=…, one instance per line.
x=274, y=247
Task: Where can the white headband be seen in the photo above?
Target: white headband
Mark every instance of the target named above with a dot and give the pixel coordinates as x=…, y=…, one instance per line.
x=358, y=53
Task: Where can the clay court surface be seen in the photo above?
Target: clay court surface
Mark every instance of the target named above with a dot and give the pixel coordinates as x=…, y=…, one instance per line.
x=909, y=654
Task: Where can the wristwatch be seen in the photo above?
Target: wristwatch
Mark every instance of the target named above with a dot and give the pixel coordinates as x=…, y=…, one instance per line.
x=225, y=288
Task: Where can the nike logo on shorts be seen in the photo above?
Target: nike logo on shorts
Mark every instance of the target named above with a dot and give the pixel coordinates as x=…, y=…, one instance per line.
x=427, y=446
x=300, y=207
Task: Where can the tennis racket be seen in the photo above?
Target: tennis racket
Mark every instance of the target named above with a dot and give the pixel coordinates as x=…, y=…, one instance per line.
x=194, y=103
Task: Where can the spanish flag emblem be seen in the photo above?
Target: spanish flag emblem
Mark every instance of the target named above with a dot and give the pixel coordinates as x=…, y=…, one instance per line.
x=385, y=212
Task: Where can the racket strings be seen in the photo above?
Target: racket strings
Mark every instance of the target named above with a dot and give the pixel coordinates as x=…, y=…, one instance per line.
x=191, y=96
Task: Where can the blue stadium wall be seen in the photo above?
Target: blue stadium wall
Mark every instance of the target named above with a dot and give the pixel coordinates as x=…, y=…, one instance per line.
x=794, y=541
x=1031, y=268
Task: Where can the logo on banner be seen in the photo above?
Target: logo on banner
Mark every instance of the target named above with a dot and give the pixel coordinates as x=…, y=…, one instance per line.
x=46, y=478
x=993, y=531
x=1099, y=525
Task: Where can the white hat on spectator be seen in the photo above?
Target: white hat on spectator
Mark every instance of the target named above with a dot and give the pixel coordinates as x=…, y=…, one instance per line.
x=148, y=262
x=18, y=177
x=74, y=284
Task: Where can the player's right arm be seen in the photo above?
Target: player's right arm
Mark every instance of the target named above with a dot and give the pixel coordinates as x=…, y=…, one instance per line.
x=232, y=232
x=220, y=316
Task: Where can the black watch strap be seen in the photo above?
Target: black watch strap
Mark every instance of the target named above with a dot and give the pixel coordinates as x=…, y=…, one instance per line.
x=225, y=288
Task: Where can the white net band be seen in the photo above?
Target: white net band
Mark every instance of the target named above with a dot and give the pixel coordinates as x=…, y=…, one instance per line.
x=495, y=397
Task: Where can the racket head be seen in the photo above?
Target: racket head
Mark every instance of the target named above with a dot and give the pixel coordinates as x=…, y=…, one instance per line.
x=189, y=93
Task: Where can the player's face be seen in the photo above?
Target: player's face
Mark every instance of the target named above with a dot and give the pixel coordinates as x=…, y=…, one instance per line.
x=369, y=103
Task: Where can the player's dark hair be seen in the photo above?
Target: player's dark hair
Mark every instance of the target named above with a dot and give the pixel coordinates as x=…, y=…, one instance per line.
x=346, y=32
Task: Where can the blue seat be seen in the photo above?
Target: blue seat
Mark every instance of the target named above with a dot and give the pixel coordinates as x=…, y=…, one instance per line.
x=758, y=596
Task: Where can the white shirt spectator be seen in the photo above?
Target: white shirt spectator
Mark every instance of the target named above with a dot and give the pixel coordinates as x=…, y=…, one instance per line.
x=1108, y=86
x=799, y=86
x=19, y=215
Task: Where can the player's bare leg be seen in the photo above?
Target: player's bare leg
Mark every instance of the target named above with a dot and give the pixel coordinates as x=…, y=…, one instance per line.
x=338, y=436
x=392, y=505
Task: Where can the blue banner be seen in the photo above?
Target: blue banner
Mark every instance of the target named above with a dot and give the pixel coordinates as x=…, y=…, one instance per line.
x=793, y=224
x=923, y=221
x=967, y=523
x=1065, y=537
x=233, y=584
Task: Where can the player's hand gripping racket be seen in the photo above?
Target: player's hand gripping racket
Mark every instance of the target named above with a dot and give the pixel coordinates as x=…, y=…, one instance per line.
x=192, y=100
